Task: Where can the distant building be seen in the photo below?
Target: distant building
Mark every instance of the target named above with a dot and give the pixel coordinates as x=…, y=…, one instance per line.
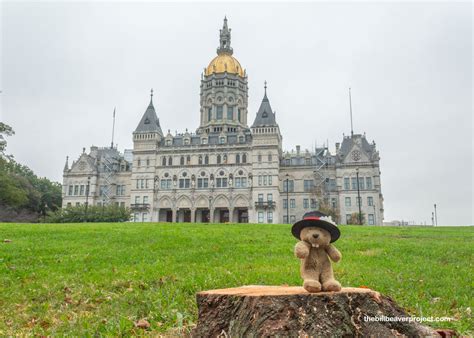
x=227, y=171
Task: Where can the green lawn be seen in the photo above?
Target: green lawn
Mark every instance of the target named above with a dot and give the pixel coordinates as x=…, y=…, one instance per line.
x=85, y=279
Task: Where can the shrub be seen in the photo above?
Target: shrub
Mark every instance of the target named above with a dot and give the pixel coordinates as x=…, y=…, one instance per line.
x=79, y=214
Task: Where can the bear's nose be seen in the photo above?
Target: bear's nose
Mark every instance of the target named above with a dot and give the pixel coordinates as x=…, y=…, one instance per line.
x=315, y=235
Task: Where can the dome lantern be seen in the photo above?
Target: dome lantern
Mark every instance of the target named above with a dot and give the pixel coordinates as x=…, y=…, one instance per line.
x=224, y=62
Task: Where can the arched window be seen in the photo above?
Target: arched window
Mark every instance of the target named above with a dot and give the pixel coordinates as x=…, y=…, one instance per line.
x=225, y=158
x=188, y=159
x=206, y=159
x=139, y=162
x=269, y=157
x=200, y=159
x=219, y=159
x=259, y=158
x=237, y=158
x=244, y=158
x=147, y=162
x=163, y=161
x=170, y=160
x=181, y=161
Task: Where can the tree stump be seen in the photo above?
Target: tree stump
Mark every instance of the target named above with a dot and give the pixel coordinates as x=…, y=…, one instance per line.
x=256, y=311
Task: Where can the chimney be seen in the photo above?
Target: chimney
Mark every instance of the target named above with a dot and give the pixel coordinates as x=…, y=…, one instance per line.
x=298, y=148
x=337, y=146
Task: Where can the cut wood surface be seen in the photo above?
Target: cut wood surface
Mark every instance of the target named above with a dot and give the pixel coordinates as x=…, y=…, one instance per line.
x=256, y=311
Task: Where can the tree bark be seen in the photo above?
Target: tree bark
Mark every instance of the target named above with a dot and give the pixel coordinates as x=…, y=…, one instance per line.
x=262, y=311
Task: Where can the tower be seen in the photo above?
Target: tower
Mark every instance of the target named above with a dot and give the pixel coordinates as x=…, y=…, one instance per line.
x=224, y=91
x=266, y=153
x=146, y=139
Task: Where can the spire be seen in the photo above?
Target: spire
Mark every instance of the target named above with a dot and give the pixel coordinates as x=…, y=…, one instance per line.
x=265, y=115
x=66, y=166
x=149, y=122
x=113, y=130
x=151, y=97
x=350, y=108
x=224, y=40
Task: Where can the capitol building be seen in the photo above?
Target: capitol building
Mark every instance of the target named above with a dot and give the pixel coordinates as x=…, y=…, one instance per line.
x=230, y=169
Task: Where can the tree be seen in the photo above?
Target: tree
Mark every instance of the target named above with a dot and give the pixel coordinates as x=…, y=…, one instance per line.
x=78, y=214
x=324, y=204
x=20, y=188
x=5, y=129
x=355, y=218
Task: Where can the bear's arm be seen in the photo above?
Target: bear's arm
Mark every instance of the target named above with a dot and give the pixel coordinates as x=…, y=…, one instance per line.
x=333, y=253
x=302, y=249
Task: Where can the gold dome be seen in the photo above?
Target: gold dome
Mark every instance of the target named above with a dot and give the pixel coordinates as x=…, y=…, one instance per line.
x=224, y=63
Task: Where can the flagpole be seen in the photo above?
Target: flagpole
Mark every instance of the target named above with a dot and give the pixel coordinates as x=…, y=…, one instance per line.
x=113, y=130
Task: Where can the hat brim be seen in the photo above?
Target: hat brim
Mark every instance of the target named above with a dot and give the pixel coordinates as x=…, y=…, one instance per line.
x=305, y=223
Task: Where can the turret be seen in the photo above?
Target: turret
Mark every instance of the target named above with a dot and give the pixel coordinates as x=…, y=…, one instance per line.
x=149, y=126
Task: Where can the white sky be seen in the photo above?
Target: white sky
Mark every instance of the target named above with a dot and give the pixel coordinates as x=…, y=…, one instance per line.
x=66, y=65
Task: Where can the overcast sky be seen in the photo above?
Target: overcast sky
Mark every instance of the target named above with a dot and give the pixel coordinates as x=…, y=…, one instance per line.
x=66, y=66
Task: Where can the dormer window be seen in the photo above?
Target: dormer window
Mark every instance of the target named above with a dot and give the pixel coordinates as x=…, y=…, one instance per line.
x=186, y=141
x=147, y=121
x=168, y=142
x=264, y=114
x=222, y=140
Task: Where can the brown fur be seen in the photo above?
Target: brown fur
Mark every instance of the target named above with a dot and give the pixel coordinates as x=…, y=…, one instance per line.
x=314, y=253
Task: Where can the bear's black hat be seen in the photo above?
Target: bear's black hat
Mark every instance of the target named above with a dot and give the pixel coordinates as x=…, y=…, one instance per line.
x=316, y=219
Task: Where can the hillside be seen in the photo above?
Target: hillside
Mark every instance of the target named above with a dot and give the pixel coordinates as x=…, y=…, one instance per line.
x=85, y=279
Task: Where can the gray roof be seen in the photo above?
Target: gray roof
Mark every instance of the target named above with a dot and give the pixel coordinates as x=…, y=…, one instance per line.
x=265, y=116
x=212, y=139
x=348, y=142
x=149, y=121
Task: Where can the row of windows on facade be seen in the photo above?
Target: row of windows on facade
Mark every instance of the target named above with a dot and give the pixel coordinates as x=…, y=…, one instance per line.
x=330, y=184
x=220, y=159
x=348, y=201
x=141, y=200
x=203, y=160
x=306, y=205
x=219, y=115
x=227, y=82
x=83, y=190
x=203, y=183
x=308, y=185
x=204, y=140
x=364, y=183
x=370, y=219
x=117, y=204
x=140, y=218
x=262, y=219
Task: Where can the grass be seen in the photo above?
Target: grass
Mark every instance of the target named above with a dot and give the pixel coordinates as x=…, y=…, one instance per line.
x=87, y=279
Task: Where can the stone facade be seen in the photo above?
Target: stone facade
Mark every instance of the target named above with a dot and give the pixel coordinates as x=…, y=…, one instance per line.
x=227, y=171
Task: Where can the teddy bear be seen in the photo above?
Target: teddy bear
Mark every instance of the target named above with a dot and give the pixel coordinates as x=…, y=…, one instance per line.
x=316, y=231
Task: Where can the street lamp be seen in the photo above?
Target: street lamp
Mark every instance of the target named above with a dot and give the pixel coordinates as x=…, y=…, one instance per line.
x=375, y=215
x=87, y=195
x=287, y=199
x=358, y=197
x=432, y=218
x=435, y=215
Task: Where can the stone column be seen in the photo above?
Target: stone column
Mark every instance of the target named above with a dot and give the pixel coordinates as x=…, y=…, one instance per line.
x=193, y=215
x=211, y=215
x=157, y=214
x=174, y=215
x=231, y=215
